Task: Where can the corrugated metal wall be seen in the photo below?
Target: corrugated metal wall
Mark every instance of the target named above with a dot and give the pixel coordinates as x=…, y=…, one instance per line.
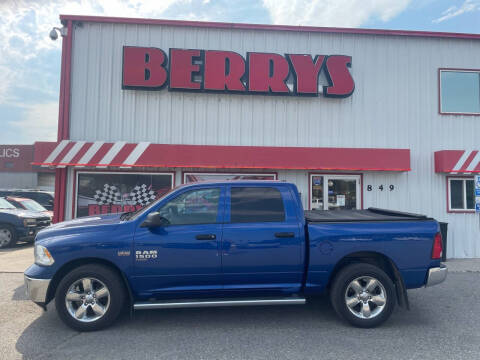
x=18, y=180
x=395, y=105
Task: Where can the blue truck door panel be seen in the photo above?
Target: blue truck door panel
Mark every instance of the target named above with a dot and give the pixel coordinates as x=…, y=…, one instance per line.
x=263, y=256
x=188, y=257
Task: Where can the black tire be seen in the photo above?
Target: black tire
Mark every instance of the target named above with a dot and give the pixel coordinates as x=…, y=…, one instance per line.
x=102, y=274
x=7, y=231
x=341, y=290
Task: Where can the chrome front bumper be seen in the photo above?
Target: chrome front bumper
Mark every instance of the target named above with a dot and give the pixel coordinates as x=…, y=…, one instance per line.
x=436, y=275
x=36, y=289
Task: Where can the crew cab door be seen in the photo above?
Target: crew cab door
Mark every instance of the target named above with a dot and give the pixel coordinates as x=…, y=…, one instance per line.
x=183, y=257
x=263, y=240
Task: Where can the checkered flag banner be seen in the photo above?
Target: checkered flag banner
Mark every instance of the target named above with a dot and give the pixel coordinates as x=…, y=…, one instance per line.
x=142, y=195
x=109, y=195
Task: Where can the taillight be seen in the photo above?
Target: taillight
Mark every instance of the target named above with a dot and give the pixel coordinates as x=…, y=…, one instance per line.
x=437, y=247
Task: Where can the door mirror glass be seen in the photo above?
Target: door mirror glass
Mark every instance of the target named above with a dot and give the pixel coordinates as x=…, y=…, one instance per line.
x=155, y=220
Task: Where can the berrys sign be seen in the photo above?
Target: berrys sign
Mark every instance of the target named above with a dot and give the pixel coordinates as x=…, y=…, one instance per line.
x=226, y=71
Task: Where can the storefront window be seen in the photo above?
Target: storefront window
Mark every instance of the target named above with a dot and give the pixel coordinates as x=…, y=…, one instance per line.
x=194, y=177
x=334, y=192
x=112, y=192
x=460, y=91
x=462, y=194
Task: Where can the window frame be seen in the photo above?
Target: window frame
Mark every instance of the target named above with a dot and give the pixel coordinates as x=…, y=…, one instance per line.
x=358, y=177
x=449, y=200
x=440, y=70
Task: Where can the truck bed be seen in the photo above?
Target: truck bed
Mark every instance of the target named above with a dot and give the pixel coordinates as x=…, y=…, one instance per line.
x=368, y=215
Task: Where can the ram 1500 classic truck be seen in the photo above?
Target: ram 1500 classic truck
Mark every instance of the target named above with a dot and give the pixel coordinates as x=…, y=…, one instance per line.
x=230, y=244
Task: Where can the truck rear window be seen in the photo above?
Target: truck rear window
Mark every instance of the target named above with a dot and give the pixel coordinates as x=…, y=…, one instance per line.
x=256, y=204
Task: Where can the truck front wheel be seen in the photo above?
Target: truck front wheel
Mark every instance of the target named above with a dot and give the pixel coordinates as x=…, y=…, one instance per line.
x=8, y=236
x=363, y=294
x=90, y=297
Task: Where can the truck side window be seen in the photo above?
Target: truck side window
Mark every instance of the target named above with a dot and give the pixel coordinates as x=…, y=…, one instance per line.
x=256, y=204
x=192, y=207
x=42, y=198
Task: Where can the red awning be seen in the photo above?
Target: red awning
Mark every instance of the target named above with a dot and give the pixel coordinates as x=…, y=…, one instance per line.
x=101, y=154
x=457, y=161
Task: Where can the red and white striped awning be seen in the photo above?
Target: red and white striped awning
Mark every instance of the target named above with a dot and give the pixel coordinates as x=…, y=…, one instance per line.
x=457, y=161
x=121, y=154
x=96, y=154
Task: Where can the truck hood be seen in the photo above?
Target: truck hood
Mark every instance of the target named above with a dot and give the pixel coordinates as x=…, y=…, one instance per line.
x=80, y=225
x=88, y=221
x=23, y=213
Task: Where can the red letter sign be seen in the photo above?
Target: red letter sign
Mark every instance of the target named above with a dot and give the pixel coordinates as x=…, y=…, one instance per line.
x=306, y=72
x=341, y=82
x=143, y=67
x=267, y=72
x=214, y=70
x=223, y=71
x=182, y=69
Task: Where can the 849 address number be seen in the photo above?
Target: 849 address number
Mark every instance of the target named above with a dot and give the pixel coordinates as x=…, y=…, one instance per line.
x=381, y=187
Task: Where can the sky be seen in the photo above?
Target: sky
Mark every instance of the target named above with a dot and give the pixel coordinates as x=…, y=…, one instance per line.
x=30, y=60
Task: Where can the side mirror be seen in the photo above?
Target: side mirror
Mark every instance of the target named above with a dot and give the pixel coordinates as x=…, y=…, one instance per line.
x=154, y=220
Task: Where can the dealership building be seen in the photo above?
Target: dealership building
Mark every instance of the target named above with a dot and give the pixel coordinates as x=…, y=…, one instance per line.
x=17, y=171
x=356, y=118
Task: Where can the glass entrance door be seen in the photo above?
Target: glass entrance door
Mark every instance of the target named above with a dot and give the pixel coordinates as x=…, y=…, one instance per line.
x=335, y=192
x=316, y=192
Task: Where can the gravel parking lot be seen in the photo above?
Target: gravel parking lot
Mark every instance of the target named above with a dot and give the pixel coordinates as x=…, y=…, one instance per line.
x=442, y=324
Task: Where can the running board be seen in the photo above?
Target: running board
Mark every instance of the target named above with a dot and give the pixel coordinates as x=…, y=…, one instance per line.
x=217, y=303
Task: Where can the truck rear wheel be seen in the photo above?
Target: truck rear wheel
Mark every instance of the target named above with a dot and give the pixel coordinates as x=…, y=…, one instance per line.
x=363, y=294
x=90, y=297
x=8, y=236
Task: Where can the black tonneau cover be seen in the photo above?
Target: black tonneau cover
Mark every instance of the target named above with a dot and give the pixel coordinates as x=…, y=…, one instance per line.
x=371, y=214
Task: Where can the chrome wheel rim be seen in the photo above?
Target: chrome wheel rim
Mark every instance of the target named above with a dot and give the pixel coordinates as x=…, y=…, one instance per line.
x=365, y=297
x=87, y=299
x=5, y=237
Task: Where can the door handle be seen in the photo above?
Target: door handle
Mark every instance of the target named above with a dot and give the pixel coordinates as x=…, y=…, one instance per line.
x=284, y=235
x=206, y=237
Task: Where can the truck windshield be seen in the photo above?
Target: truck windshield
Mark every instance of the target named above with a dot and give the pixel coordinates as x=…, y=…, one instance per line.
x=4, y=204
x=32, y=205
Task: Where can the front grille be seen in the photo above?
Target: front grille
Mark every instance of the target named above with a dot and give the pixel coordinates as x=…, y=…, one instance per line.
x=43, y=222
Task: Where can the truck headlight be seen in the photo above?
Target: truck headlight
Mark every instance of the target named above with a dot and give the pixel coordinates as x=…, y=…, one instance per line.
x=43, y=256
x=29, y=222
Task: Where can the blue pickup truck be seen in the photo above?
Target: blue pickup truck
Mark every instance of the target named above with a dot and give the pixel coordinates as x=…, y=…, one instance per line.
x=231, y=244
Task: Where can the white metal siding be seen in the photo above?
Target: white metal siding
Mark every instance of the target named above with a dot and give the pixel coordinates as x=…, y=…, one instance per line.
x=395, y=105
